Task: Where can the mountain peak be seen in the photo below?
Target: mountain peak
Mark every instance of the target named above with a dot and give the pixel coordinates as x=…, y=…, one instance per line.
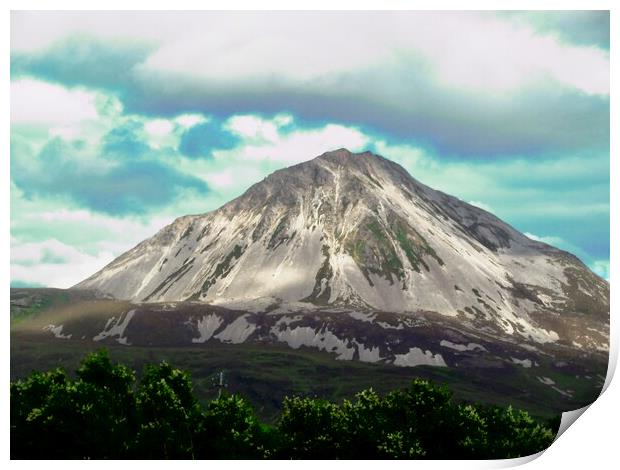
x=338, y=153
x=336, y=175
x=365, y=167
x=345, y=156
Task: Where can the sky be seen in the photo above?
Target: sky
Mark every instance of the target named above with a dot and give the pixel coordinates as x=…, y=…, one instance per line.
x=123, y=121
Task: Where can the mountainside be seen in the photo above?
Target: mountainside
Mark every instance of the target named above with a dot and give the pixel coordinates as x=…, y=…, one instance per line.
x=357, y=231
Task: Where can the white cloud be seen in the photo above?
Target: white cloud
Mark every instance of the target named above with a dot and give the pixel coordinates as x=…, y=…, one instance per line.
x=189, y=120
x=158, y=128
x=456, y=80
x=51, y=26
x=59, y=262
x=481, y=51
x=221, y=179
x=53, y=264
x=472, y=50
x=69, y=132
x=267, y=145
x=132, y=230
x=487, y=53
x=160, y=132
x=254, y=128
x=481, y=205
x=601, y=267
x=282, y=120
x=300, y=145
x=37, y=102
x=550, y=240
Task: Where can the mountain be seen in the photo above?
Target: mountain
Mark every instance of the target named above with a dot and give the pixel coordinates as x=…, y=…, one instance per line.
x=345, y=257
x=357, y=231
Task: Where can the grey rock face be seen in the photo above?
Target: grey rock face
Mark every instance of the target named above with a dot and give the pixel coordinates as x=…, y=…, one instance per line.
x=357, y=231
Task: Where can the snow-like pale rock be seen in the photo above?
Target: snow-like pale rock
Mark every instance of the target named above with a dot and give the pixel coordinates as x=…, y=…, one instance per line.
x=363, y=316
x=566, y=393
x=206, y=326
x=116, y=327
x=56, y=331
x=237, y=331
x=551, y=383
x=323, y=340
x=546, y=380
x=527, y=363
x=417, y=357
x=388, y=326
x=462, y=347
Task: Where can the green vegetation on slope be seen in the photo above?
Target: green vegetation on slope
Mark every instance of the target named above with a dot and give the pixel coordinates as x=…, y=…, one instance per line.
x=374, y=249
x=222, y=269
x=104, y=413
x=28, y=303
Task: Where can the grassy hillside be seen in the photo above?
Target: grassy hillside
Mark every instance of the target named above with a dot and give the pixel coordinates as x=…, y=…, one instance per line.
x=266, y=373
x=28, y=303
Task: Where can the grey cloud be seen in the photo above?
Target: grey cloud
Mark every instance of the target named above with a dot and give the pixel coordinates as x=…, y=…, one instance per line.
x=126, y=187
x=584, y=28
x=409, y=106
x=84, y=60
x=402, y=101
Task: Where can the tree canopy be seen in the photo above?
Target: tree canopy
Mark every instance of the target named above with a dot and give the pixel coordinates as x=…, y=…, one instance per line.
x=104, y=412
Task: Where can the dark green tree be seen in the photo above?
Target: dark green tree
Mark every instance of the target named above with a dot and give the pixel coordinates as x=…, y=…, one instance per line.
x=168, y=413
x=32, y=416
x=311, y=429
x=105, y=399
x=102, y=414
x=90, y=417
x=375, y=429
x=512, y=433
x=229, y=429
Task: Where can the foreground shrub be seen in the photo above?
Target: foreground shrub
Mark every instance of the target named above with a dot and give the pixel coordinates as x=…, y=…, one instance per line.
x=228, y=429
x=168, y=413
x=104, y=413
x=312, y=428
x=53, y=416
x=420, y=422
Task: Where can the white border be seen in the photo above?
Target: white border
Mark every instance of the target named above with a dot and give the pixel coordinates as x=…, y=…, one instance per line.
x=588, y=444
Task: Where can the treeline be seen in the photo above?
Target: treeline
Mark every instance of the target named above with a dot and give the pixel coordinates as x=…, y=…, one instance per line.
x=104, y=413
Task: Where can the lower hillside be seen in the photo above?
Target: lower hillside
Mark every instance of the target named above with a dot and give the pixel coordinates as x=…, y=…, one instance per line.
x=104, y=412
x=322, y=352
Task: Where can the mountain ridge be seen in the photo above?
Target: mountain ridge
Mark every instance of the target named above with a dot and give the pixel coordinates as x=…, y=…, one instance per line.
x=356, y=230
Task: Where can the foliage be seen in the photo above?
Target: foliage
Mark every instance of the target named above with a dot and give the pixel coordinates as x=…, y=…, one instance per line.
x=104, y=413
x=230, y=429
x=311, y=428
x=167, y=414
